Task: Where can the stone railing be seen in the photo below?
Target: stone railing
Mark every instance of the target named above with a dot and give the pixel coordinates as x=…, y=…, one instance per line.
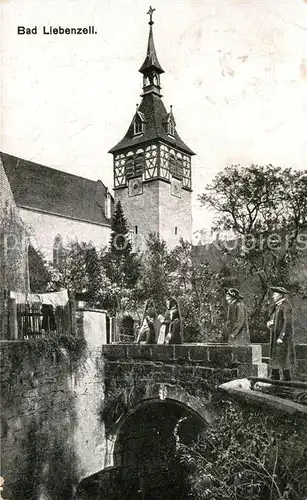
x=247, y=360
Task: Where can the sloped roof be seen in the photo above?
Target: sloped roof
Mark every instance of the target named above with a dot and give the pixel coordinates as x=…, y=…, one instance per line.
x=155, y=113
x=49, y=190
x=151, y=59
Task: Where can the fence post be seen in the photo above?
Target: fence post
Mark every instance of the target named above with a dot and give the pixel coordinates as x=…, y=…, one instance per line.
x=13, y=327
x=113, y=330
x=73, y=311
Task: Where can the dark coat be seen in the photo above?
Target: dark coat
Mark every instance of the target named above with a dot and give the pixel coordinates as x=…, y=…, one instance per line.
x=237, y=324
x=151, y=332
x=147, y=332
x=282, y=355
x=167, y=321
x=174, y=335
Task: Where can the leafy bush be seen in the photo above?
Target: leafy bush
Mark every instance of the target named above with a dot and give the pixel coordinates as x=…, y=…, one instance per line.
x=265, y=209
x=197, y=287
x=248, y=454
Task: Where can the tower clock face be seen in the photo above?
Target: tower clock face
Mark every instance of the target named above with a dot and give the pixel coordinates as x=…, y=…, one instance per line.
x=135, y=186
x=176, y=188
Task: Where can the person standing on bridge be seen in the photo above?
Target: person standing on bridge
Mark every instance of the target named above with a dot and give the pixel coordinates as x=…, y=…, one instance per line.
x=173, y=323
x=165, y=322
x=280, y=324
x=150, y=324
x=237, y=322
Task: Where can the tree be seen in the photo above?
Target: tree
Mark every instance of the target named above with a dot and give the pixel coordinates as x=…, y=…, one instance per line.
x=198, y=289
x=94, y=272
x=73, y=272
x=40, y=275
x=82, y=272
x=155, y=282
x=265, y=209
x=121, y=263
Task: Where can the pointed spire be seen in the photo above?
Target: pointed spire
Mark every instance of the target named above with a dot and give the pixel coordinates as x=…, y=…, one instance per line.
x=151, y=60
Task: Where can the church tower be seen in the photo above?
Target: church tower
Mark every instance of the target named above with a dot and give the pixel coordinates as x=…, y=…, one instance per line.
x=152, y=165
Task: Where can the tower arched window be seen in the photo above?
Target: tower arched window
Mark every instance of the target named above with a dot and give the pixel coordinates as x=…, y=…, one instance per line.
x=57, y=251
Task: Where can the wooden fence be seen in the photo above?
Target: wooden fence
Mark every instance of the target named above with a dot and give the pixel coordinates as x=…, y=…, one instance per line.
x=27, y=320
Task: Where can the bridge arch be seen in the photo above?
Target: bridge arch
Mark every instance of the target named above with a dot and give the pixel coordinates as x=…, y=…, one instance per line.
x=169, y=405
x=144, y=445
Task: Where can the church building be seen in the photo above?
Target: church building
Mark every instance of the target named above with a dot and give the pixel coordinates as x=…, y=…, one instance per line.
x=152, y=164
x=56, y=207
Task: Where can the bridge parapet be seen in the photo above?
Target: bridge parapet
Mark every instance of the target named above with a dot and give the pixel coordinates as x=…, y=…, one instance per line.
x=246, y=359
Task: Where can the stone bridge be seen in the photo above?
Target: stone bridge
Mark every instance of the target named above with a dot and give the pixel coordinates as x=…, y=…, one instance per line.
x=64, y=426
x=171, y=382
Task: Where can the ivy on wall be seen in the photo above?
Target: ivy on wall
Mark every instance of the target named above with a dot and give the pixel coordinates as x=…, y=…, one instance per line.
x=54, y=348
x=36, y=376
x=14, y=239
x=119, y=399
x=49, y=467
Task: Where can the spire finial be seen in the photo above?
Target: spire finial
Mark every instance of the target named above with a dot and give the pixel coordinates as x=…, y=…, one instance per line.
x=150, y=12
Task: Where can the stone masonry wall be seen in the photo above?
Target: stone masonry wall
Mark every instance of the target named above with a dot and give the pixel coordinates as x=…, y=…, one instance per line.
x=157, y=210
x=141, y=211
x=51, y=433
x=174, y=213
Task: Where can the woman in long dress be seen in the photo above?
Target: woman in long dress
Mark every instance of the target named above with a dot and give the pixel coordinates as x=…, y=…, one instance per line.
x=165, y=322
x=149, y=326
x=173, y=323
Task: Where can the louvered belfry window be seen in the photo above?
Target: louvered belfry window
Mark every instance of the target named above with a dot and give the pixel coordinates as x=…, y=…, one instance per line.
x=171, y=128
x=137, y=127
x=134, y=164
x=129, y=167
x=139, y=162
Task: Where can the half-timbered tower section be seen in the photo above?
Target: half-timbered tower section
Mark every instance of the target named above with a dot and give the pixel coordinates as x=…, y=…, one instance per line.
x=152, y=165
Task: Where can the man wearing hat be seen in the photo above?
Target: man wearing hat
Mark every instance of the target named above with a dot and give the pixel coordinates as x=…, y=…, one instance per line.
x=237, y=322
x=280, y=324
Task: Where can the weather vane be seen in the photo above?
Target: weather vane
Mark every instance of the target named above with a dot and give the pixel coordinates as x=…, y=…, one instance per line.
x=150, y=12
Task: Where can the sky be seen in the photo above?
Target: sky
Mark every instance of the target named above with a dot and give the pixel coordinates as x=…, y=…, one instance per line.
x=235, y=73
